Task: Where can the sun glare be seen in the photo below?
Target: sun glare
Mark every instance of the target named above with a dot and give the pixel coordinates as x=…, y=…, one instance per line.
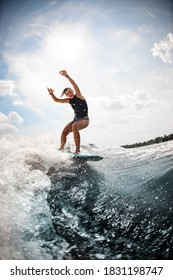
x=70, y=44
x=66, y=44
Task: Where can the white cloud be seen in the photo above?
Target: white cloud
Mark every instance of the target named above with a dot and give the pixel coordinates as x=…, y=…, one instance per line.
x=14, y=117
x=151, y=15
x=36, y=29
x=18, y=103
x=131, y=38
x=7, y=88
x=164, y=49
x=136, y=101
x=6, y=128
x=7, y=123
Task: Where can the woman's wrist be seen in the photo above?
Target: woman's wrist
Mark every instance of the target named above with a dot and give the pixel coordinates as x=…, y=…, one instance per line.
x=67, y=76
x=50, y=93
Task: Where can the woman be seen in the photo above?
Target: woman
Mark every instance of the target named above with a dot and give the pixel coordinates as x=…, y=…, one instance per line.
x=79, y=105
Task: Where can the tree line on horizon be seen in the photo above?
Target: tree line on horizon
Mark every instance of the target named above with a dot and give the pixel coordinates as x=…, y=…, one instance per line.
x=156, y=140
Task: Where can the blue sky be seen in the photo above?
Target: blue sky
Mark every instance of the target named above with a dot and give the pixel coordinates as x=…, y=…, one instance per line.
x=119, y=52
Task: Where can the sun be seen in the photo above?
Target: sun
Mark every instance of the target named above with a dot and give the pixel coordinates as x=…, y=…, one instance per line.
x=66, y=43
x=71, y=44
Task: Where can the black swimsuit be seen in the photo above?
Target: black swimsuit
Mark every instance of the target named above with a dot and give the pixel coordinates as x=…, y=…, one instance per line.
x=80, y=108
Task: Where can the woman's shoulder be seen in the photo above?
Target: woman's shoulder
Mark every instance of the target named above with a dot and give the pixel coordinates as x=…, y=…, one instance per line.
x=79, y=97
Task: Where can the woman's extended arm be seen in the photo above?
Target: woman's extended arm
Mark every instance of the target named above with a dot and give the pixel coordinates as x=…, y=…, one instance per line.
x=76, y=88
x=51, y=92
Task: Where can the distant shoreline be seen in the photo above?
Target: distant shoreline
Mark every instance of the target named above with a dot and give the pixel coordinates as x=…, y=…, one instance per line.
x=156, y=140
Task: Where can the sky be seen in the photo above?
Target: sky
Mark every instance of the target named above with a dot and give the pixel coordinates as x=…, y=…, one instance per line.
x=119, y=52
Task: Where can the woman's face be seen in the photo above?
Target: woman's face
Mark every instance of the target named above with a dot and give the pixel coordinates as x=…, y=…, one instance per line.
x=69, y=93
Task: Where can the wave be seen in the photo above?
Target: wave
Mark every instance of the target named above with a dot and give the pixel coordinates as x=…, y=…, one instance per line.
x=55, y=208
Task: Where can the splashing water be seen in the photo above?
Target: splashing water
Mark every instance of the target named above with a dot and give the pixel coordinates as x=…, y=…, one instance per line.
x=55, y=208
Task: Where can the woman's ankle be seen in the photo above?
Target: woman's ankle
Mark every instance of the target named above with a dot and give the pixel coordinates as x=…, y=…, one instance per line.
x=77, y=150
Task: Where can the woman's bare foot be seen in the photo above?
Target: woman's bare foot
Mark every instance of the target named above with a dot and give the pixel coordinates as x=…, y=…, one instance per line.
x=77, y=151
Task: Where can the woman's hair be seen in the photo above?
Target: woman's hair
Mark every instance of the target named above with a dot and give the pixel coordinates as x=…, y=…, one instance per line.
x=64, y=91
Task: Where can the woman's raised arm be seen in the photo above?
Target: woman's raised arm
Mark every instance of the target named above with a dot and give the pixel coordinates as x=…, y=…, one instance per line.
x=76, y=88
x=60, y=100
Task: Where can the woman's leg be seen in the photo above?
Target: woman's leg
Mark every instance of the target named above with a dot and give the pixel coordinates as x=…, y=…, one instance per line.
x=76, y=126
x=65, y=132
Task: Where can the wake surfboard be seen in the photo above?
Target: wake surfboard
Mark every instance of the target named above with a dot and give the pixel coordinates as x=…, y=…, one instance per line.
x=82, y=157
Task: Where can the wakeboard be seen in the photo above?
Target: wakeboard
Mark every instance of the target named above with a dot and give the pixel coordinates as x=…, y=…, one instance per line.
x=88, y=157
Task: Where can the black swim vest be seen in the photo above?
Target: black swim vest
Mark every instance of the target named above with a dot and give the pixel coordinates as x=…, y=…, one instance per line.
x=79, y=106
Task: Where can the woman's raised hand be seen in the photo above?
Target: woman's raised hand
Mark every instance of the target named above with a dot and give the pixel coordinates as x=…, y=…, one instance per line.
x=63, y=72
x=50, y=90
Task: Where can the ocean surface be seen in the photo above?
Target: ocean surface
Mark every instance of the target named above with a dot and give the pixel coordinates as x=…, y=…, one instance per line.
x=52, y=207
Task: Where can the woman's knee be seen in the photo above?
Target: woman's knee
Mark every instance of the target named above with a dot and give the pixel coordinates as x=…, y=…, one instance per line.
x=75, y=127
x=65, y=132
